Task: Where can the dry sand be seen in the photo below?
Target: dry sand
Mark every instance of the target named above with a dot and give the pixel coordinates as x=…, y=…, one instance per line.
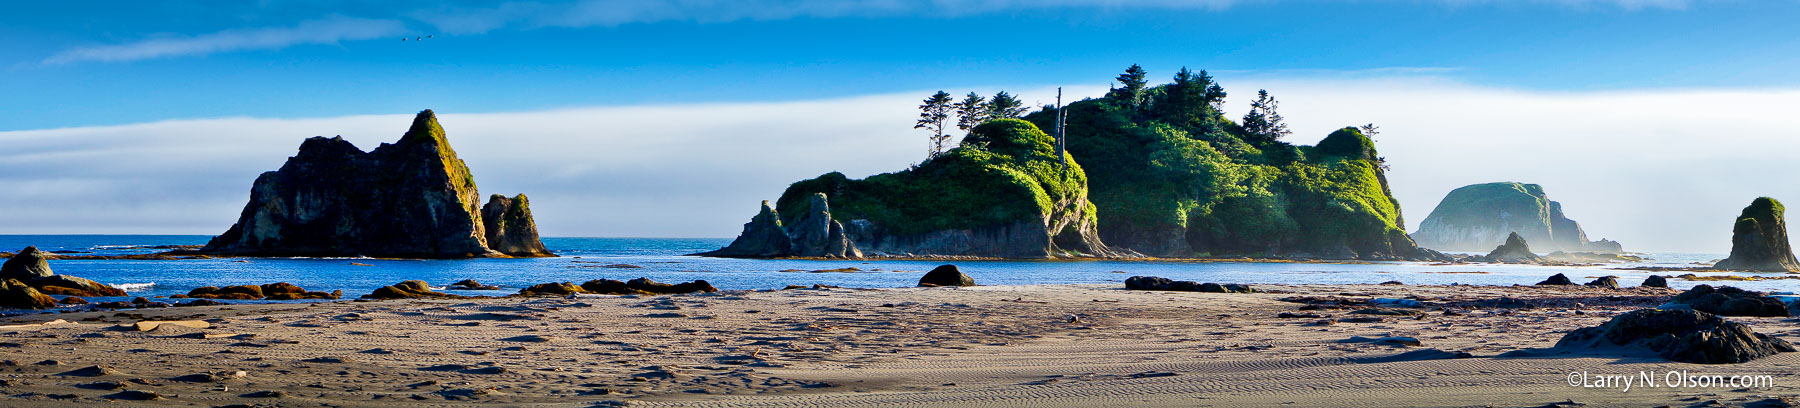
x=1051, y=345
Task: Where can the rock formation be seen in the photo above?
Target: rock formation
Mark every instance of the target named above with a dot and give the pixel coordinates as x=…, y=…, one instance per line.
x=1557, y=279
x=510, y=229
x=1515, y=250
x=32, y=268
x=1003, y=193
x=1477, y=217
x=410, y=199
x=1728, y=301
x=814, y=234
x=1759, y=240
x=1608, y=282
x=1160, y=283
x=272, y=291
x=412, y=289
x=17, y=295
x=1655, y=281
x=1681, y=335
x=946, y=275
x=643, y=286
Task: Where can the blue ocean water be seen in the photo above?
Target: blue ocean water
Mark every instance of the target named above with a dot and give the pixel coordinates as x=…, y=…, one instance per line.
x=663, y=259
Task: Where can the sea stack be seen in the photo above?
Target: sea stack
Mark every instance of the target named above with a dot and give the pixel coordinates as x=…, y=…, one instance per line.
x=509, y=227
x=1478, y=217
x=1759, y=240
x=410, y=199
x=813, y=235
x=1515, y=250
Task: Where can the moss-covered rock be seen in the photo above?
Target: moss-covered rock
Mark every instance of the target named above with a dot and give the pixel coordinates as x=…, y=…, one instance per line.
x=32, y=267
x=410, y=199
x=509, y=227
x=1478, y=217
x=17, y=295
x=1197, y=189
x=1003, y=192
x=1759, y=240
x=27, y=264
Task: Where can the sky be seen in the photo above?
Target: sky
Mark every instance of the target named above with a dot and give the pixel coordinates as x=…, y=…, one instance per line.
x=1653, y=121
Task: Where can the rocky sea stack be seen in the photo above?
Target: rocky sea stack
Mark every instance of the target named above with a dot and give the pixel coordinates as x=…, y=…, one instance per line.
x=1514, y=250
x=409, y=199
x=1759, y=240
x=509, y=227
x=1478, y=217
x=1002, y=193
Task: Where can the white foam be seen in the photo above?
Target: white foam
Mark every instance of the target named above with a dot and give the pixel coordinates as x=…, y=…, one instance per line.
x=134, y=287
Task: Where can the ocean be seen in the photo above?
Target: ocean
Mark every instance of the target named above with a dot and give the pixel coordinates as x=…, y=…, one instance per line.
x=665, y=260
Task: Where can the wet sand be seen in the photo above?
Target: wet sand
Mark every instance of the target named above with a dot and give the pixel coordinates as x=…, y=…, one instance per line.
x=1044, y=345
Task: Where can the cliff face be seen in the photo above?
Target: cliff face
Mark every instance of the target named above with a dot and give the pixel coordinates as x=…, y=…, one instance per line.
x=1479, y=217
x=410, y=199
x=1002, y=193
x=1759, y=240
x=510, y=229
x=1173, y=190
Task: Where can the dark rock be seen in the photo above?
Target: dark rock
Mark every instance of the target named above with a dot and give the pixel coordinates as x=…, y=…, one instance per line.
x=1474, y=217
x=1515, y=250
x=552, y=289
x=240, y=292
x=946, y=275
x=411, y=199
x=1557, y=279
x=1609, y=282
x=73, y=286
x=27, y=264
x=1730, y=301
x=1159, y=283
x=201, y=302
x=510, y=228
x=471, y=284
x=17, y=295
x=1655, y=281
x=647, y=285
x=763, y=237
x=1147, y=283
x=1759, y=240
x=1687, y=336
x=71, y=300
x=283, y=288
x=134, y=395
x=1506, y=302
x=1392, y=283
x=412, y=289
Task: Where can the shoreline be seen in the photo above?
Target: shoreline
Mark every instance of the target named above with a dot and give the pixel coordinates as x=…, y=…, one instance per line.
x=1034, y=345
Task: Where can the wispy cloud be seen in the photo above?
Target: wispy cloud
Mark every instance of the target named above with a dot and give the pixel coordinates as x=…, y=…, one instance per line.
x=329, y=30
x=607, y=13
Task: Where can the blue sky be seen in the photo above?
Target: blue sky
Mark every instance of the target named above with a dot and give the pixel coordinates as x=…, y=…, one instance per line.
x=76, y=64
x=674, y=118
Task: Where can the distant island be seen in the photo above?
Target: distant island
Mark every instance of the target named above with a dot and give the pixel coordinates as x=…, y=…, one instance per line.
x=1144, y=171
x=410, y=199
x=1476, y=218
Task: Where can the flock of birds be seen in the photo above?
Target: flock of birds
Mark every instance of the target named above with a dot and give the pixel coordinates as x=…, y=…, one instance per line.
x=403, y=39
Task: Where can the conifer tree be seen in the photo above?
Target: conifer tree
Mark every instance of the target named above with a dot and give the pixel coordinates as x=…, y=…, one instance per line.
x=1132, y=83
x=971, y=111
x=933, y=115
x=1263, y=123
x=1005, y=106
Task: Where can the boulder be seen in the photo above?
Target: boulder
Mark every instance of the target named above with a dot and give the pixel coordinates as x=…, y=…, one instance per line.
x=763, y=237
x=1655, y=281
x=1729, y=301
x=552, y=289
x=946, y=275
x=1160, y=283
x=1688, y=336
x=71, y=300
x=510, y=228
x=1557, y=279
x=1609, y=282
x=1480, y=216
x=413, y=198
x=17, y=295
x=412, y=289
x=645, y=286
x=1759, y=240
x=27, y=264
x=1515, y=250
x=239, y=292
x=282, y=288
x=73, y=286
x=471, y=284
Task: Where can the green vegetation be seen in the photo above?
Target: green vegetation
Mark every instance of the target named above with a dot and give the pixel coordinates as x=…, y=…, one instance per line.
x=1005, y=171
x=1164, y=159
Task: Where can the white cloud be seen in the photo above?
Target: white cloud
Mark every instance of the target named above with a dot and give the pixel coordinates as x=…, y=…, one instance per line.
x=1655, y=169
x=329, y=30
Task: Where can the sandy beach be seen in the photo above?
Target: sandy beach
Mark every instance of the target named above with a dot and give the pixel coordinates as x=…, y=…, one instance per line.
x=1049, y=345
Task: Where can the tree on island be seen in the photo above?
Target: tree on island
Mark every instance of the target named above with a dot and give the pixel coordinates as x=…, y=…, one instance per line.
x=1263, y=124
x=1133, y=84
x=1006, y=106
x=1192, y=101
x=971, y=111
x=933, y=115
